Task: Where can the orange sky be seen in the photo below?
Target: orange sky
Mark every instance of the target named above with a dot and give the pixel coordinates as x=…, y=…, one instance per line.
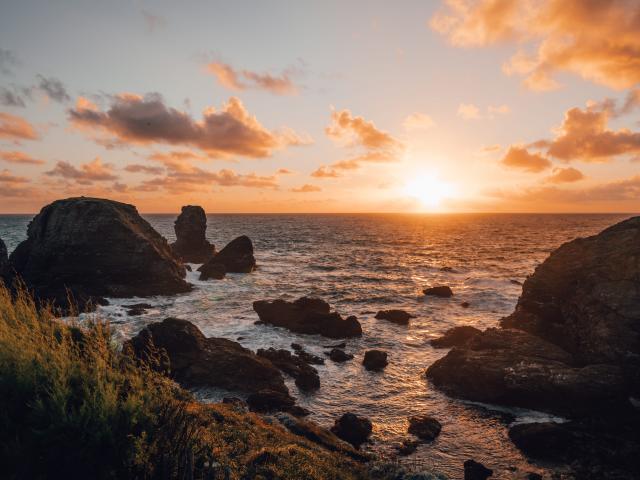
x=448, y=106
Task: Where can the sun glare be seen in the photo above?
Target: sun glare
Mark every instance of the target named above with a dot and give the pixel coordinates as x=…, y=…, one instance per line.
x=429, y=190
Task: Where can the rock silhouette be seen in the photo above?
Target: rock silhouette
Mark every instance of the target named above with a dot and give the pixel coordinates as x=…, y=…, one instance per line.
x=375, y=360
x=236, y=257
x=455, y=337
x=353, y=428
x=440, y=291
x=191, y=244
x=395, y=316
x=4, y=258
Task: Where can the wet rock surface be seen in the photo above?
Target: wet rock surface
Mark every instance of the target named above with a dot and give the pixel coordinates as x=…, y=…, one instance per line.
x=92, y=248
x=375, y=360
x=425, y=427
x=455, y=337
x=191, y=244
x=353, y=429
x=307, y=315
x=442, y=291
x=306, y=377
x=339, y=356
x=212, y=271
x=399, y=317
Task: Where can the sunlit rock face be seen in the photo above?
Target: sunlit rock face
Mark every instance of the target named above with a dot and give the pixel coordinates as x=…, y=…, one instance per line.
x=573, y=343
x=191, y=245
x=94, y=248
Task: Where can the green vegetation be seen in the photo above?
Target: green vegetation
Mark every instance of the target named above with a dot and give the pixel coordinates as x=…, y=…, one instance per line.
x=73, y=406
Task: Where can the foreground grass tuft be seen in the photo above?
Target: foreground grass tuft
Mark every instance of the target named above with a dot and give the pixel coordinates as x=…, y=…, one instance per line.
x=73, y=406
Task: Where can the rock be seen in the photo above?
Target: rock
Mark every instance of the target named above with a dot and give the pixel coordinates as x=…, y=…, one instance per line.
x=237, y=256
x=337, y=345
x=399, y=317
x=455, y=337
x=296, y=346
x=447, y=269
x=439, y=291
x=306, y=376
x=546, y=441
x=95, y=248
x=375, y=360
x=407, y=447
x=465, y=304
x=476, y=471
x=268, y=400
x=307, y=315
x=212, y=270
x=534, y=476
x=195, y=360
x=4, y=259
x=309, y=358
x=512, y=367
x=424, y=427
x=339, y=356
x=137, y=309
x=191, y=244
x=353, y=429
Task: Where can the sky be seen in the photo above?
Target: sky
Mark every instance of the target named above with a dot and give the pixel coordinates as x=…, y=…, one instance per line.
x=359, y=106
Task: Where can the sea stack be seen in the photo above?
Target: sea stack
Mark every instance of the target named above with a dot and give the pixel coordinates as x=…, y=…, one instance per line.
x=191, y=246
x=91, y=248
x=235, y=257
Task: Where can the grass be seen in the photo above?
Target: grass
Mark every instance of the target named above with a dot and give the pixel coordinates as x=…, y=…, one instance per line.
x=73, y=406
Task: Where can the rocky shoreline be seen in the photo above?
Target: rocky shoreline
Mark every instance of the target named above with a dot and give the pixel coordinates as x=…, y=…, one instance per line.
x=570, y=347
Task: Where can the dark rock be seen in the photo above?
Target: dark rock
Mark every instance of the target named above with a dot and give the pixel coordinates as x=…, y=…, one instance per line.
x=144, y=306
x=4, y=259
x=534, y=476
x=424, y=427
x=546, y=441
x=211, y=270
x=307, y=315
x=513, y=367
x=339, y=356
x=136, y=312
x=399, y=317
x=447, y=269
x=455, y=337
x=237, y=256
x=296, y=346
x=306, y=376
x=476, y=471
x=465, y=304
x=337, y=345
x=92, y=248
x=375, y=360
x=439, y=291
x=407, y=447
x=353, y=429
x=268, y=400
x=298, y=411
x=199, y=361
x=190, y=227
x=309, y=357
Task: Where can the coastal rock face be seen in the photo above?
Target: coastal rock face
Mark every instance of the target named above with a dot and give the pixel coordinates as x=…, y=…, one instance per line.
x=399, y=317
x=195, y=360
x=353, y=429
x=236, y=257
x=4, y=259
x=95, y=248
x=191, y=245
x=307, y=315
x=455, y=337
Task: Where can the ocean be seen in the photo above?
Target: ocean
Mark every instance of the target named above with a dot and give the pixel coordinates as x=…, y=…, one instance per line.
x=361, y=264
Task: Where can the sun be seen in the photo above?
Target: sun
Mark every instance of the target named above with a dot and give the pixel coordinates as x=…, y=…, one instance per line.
x=429, y=190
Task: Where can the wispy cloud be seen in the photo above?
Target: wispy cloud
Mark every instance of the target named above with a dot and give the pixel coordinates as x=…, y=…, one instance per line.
x=229, y=77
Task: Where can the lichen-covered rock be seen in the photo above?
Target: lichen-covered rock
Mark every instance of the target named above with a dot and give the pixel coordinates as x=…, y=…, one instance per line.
x=307, y=315
x=92, y=248
x=191, y=244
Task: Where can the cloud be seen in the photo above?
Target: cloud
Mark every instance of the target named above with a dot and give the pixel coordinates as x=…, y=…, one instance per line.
x=519, y=157
x=7, y=61
x=325, y=172
x=14, y=186
x=418, y=121
x=13, y=127
x=306, y=188
x=54, y=89
x=180, y=156
x=240, y=80
x=152, y=21
x=565, y=175
x=488, y=149
x=11, y=97
x=357, y=131
x=498, y=110
x=19, y=157
x=469, y=111
x=7, y=178
x=284, y=171
x=146, y=120
x=597, y=40
x=94, y=171
x=137, y=168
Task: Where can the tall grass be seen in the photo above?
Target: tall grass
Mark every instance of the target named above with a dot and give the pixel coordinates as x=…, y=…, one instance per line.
x=73, y=406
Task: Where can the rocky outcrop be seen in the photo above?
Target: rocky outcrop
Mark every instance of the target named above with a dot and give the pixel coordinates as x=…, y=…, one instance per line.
x=236, y=257
x=455, y=337
x=269, y=400
x=338, y=355
x=476, y=471
x=306, y=377
x=195, y=360
x=375, y=360
x=191, y=244
x=439, y=291
x=399, y=317
x=307, y=315
x=92, y=248
x=353, y=428
x=210, y=270
x=4, y=259
x=425, y=427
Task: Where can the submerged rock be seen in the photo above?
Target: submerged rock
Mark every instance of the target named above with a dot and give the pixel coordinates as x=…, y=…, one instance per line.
x=455, y=337
x=375, y=360
x=425, y=427
x=476, y=471
x=195, y=360
x=353, y=428
x=399, y=317
x=191, y=244
x=92, y=248
x=440, y=291
x=236, y=257
x=307, y=315
x=339, y=356
x=306, y=377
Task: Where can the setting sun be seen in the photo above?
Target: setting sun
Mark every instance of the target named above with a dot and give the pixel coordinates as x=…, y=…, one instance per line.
x=429, y=190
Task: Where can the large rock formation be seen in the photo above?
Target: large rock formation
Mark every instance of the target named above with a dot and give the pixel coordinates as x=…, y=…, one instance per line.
x=195, y=360
x=191, y=244
x=307, y=315
x=92, y=248
x=236, y=257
